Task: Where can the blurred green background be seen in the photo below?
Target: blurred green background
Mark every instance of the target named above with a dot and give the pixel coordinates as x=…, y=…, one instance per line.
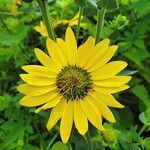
x=129, y=27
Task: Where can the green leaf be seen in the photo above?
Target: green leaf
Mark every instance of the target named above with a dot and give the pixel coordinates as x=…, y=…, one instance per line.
x=144, y=54
x=145, y=117
x=102, y=4
x=59, y=145
x=128, y=72
x=146, y=143
x=146, y=73
x=10, y=39
x=93, y=2
x=142, y=7
x=125, y=117
x=79, y=141
x=112, y=4
x=30, y=147
x=17, y=132
x=141, y=92
x=130, y=139
x=108, y=4
x=134, y=55
x=5, y=101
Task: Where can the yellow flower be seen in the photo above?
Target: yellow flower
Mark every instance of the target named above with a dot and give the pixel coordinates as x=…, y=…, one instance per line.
x=76, y=83
x=72, y=22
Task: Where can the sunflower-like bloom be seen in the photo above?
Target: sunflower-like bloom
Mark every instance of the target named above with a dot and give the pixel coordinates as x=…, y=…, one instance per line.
x=72, y=22
x=77, y=83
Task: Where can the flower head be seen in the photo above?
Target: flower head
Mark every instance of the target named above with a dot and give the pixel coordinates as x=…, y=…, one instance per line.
x=72, y=22
x=77, y=83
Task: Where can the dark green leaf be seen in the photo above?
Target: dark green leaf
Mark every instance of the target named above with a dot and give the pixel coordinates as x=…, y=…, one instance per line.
x=81, y=2
x=141, y=92
x=112, y=4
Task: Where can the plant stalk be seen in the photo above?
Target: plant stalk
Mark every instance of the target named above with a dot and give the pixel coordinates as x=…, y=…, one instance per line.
x=69, y=145
x=143, y=129
x=52, y=141
x=89, y=141
x=100, y=19
x=81, y=8
x=46, y=18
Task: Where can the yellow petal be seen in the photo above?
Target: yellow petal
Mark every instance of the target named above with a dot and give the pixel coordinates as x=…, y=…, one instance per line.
x=71, y=46
x=109, y=70
x=73, y=23
x=46, y=60
x=85, y=50
x=105, y=111
x=66, y=122
x=104, y=59
x=41, y=29
x=39, y=71
x=49, y=104
x=80, y=119
x=76, y=17
x=37, y=81
x=54, y=52
x=62, y=46
x=98, y=52
x=56, y=114
x=108, y=99
x=32, y=101
x=35, y=90
x=92, y=113
x=113, y=82
x=110, y=90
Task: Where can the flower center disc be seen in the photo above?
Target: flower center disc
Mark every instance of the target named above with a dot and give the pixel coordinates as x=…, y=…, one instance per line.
x=73, y=82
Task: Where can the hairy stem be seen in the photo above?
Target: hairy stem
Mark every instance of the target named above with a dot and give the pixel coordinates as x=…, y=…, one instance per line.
x=81, y=8
x=52, y=141
x=89, y=141
x=46, y=18
x=100, y=19
x=143, y=128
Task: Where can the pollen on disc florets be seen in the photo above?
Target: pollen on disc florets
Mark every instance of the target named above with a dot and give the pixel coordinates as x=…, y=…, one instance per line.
x=74, y=82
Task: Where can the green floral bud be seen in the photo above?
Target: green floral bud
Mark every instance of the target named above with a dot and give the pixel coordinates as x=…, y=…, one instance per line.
x=109, y=135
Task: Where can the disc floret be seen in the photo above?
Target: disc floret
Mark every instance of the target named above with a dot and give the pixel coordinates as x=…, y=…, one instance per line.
x=74, y=82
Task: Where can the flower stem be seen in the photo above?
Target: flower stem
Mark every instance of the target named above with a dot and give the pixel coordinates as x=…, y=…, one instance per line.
x=89, y=141
x=81, y=8
x=69, y=145
x=46, y=18
x=143, y=128
x=101, y=14
x=52, y=141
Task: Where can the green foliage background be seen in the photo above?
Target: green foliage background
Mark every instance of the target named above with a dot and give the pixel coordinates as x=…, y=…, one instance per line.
x=129, y=27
